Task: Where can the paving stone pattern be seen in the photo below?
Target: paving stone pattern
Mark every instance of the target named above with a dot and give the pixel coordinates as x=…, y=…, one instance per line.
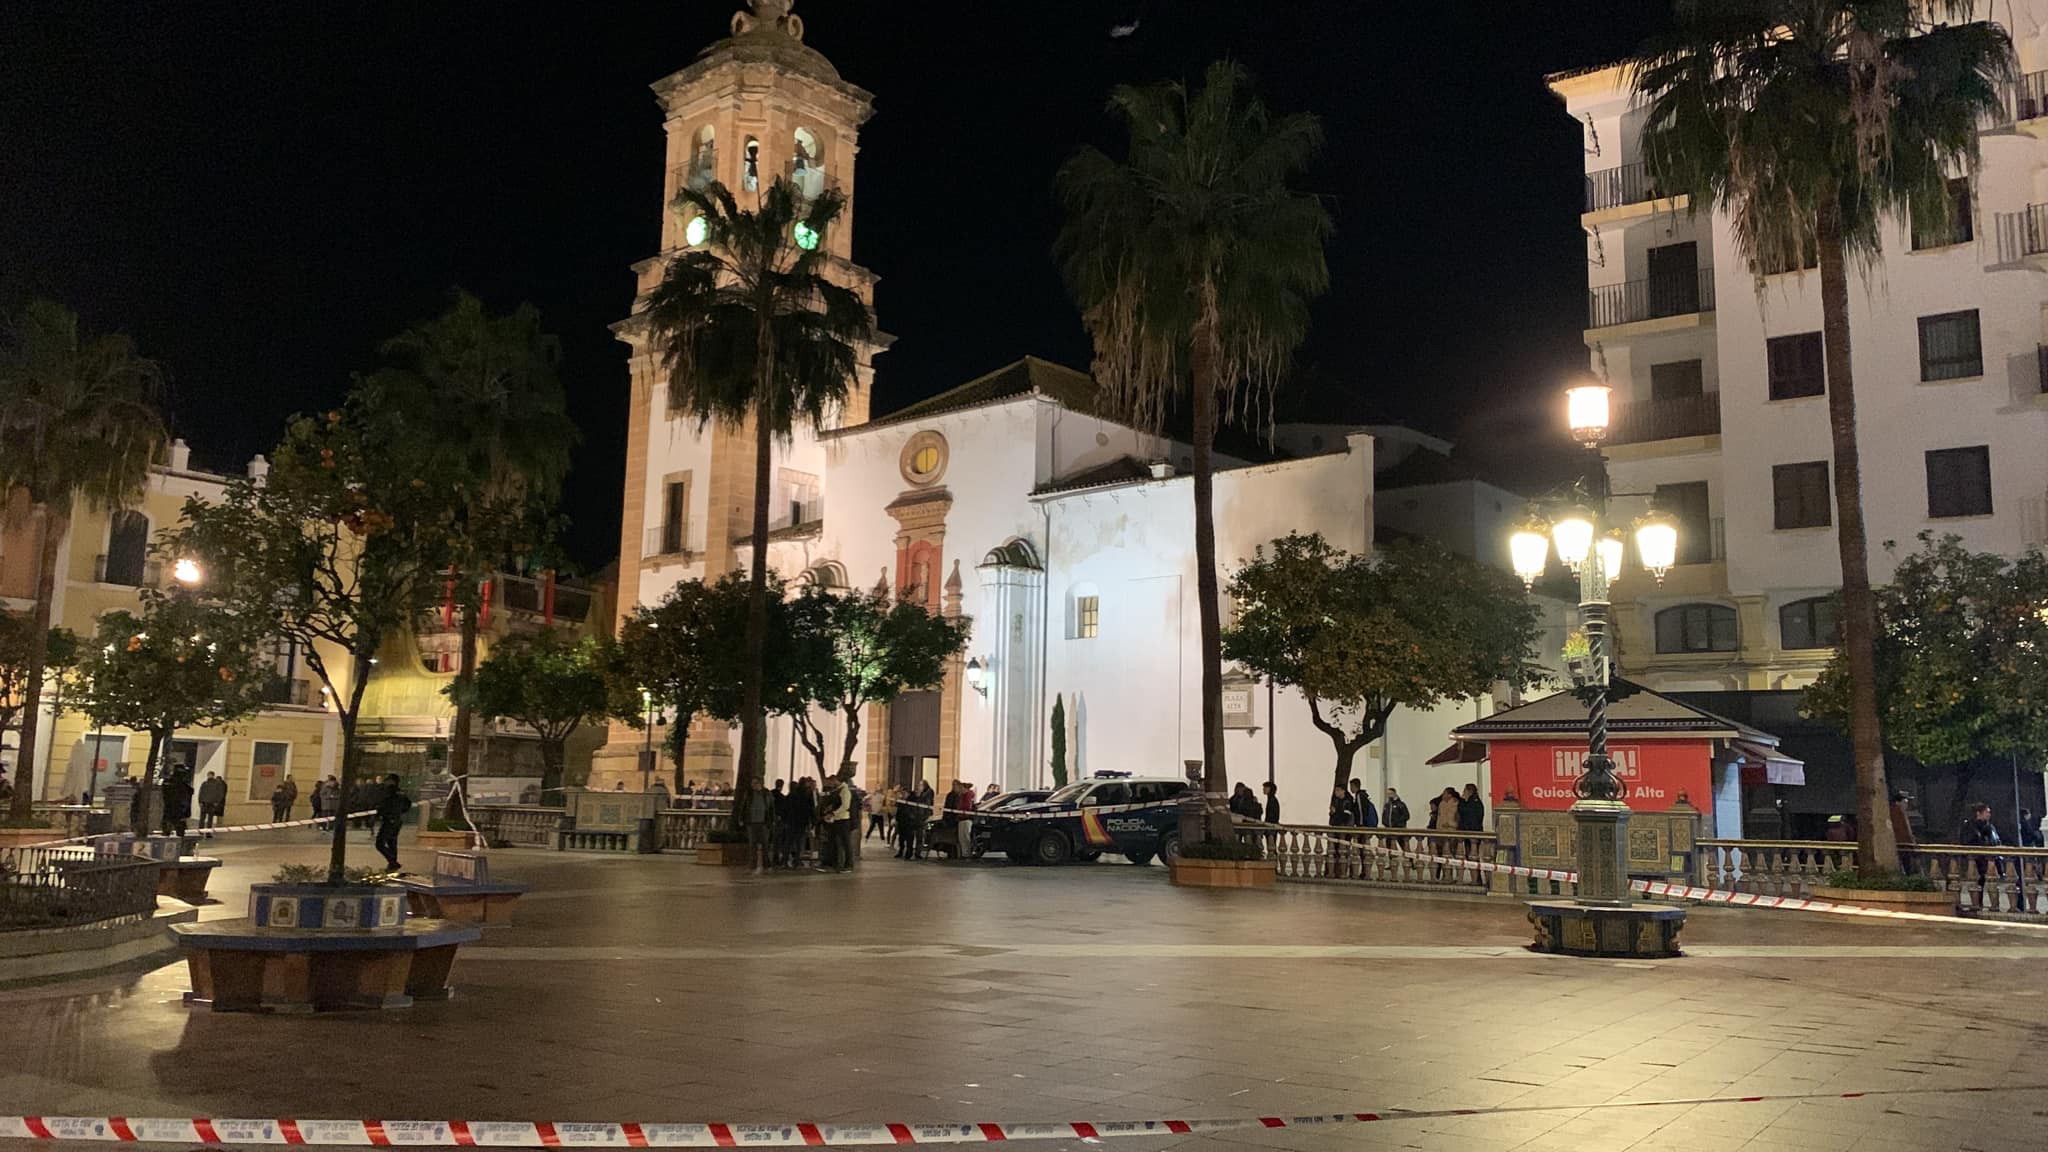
x=655, y=989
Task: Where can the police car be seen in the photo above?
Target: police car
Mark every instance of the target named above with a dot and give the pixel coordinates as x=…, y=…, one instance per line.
x=1070, y=824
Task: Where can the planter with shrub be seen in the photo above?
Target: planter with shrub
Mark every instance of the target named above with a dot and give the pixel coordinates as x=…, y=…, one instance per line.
x=441, y=836
x=1223, y=864
x=23, y=834
x=1892, y=891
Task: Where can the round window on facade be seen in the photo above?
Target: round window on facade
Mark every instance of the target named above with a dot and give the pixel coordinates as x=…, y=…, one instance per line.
x=924, y=458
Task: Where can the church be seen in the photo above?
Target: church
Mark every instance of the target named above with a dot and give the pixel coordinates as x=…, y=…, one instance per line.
x=1065, y=535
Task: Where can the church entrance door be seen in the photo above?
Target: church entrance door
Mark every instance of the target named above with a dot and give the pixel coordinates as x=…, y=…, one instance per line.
x=914, y=739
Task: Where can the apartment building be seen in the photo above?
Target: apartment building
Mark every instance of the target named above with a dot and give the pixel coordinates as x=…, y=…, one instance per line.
x=1721, y=391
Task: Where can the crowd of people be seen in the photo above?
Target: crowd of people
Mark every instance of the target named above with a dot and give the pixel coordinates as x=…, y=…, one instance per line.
x=789, y=825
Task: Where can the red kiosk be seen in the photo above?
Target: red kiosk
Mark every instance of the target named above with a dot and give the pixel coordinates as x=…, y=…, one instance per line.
x=1663, y=750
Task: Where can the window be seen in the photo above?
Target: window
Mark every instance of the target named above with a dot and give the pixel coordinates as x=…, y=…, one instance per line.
x=805, y=506
x=703, y=162
x=807, y=164
x=1687, y=503
x=1813, y=623
x=1960, y=229
x=1959, y=482
x=1798, y=365
x=675, y=517
x=1105, y=794
x=1087, y=616
x=1949, y=346
x=1800, y=495
x=127, y=559
x=750, y=170
x=269, y=761
x=1696, y=628
x=1678, y=380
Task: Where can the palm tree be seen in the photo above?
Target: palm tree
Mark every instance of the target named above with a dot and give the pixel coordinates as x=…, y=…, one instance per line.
x=484, y=389
x=1809, y=122
x=76, y=422
x=750, y=330
x=1193, y=262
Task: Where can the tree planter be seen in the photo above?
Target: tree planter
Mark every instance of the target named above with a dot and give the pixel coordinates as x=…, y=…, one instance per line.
x=727, y=855
x=443, y=841
x=310, y=947
x=1195, y=873
x=1929, y=903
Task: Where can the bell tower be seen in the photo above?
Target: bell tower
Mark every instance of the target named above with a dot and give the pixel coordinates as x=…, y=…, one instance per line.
x=754, y=107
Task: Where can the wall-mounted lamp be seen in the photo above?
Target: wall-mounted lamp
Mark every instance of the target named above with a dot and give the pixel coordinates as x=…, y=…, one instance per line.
x=977, y=675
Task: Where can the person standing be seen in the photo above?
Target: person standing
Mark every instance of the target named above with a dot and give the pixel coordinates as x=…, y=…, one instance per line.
x=177, y=799
x=1343, y=813
x=2030, y=830
x=1272, y=803
x=213, y=801
x=1902, y=830
x=878, y=815
x=841, y=818
x=1396, y=810
x=797, y=814
x=1362, y=810
x=659, y=791
x=392, y=805
x=279, y=806
x=290, y=788
x=1471, y=810
x=912, y=815
x=1443, y=811
x=760, y=810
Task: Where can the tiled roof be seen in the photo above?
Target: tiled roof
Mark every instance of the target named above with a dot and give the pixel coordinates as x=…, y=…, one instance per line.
x=1121, y=470
x=1632, y=709
x=1030, y=375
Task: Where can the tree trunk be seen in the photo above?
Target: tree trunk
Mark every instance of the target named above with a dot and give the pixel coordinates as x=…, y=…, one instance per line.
x=459, y=728
x=337, y=856
x=753, y=718
x=1204, y=365
x=1877, y=851
x=551, y=758
x=22, y=807
x=1347, y=745
x=852, y=714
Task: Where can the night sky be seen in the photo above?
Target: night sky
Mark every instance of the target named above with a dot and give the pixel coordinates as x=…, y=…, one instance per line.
x=259, y=193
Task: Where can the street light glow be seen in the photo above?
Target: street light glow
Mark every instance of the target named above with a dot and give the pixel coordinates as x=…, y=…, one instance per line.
x=1529, y=551
x=186, y=570
x=1657, y=544
x=1611, y=549
x=1573, y=535
x=1586, y=410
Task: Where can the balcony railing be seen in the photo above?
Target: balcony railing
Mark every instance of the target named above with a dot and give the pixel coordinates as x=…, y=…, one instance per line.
x=2032, y=224
x=1652, y=298
x=147, y=574
x=666, y=541
x=1614, y=187
x=1641, y=421
x=2026, y=98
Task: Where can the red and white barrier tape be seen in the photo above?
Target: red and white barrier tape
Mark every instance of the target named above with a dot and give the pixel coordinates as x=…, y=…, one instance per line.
x=1103, y=810
x=544, y=1134
x=200, y=833
x=1678, y=891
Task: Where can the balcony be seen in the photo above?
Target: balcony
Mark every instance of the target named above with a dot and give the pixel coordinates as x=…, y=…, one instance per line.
x=2031, y=230
x=1652, y=298
x=2026, y=98
x=528, y=597
x=298, y=693
x=126, y=571
x=1641, y=422
x=1619, y=187
x=670, y=543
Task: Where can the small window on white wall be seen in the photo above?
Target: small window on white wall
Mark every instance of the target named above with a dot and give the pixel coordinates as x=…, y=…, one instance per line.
x=1087, y=616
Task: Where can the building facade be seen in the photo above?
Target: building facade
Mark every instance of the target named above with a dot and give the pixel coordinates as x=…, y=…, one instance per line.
x=1721, y=393
x=104, y=563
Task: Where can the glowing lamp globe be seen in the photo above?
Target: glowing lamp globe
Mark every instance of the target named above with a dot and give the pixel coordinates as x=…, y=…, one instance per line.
x=1573, y=535
x=1657, y=544
x=695, y=232
x=1586, y=410
x=1611, y=549
x=186, y=571
x=1529, y=551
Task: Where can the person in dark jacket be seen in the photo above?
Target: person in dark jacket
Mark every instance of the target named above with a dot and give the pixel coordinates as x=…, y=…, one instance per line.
x=1243, y=803
x=2030, y=830
x=1272, y=803
x=1471, y=810
x=913, y=812
x=392, y=805
x=1979, y=832
x=213, y=800
x=1342, y=813
x=1396, y=811
x=798, y=813
x=177, y=799
x=1362, y=812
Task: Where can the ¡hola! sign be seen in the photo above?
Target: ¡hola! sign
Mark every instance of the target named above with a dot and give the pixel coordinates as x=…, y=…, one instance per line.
x=1655, y=773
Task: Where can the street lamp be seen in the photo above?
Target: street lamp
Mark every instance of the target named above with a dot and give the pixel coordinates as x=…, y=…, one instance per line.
x=977, y=675
x=187, y=571
x=1594, y=552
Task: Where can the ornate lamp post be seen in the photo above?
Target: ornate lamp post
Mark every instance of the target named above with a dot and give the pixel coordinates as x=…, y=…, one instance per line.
x=1594, y=552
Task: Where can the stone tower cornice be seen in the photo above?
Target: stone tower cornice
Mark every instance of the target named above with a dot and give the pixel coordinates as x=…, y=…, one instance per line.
x=770, y=34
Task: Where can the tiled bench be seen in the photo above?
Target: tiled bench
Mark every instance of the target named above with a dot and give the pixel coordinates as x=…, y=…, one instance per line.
x=461, y=891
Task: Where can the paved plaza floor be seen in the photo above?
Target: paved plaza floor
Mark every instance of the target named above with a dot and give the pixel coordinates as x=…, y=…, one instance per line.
x=654, y=989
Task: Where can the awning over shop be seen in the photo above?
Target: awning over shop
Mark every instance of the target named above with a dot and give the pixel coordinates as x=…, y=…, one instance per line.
x=1461, y=752
x=1762, y=764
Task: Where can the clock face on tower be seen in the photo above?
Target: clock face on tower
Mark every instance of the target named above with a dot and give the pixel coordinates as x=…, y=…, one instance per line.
x=806, y=236
x=695, y=231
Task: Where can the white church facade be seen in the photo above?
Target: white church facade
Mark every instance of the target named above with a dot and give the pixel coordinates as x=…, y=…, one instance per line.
x=1064, y=535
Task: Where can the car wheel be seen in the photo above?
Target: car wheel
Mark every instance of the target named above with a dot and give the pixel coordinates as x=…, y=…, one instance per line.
x=1050, y=848
x=1141, y=859
x=1169, y=848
